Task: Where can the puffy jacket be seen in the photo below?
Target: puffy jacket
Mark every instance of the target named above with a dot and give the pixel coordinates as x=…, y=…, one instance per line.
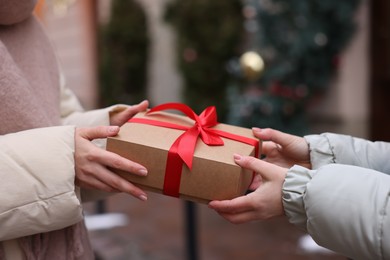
x=37, y=175
x=43, y=195
x=344, y=201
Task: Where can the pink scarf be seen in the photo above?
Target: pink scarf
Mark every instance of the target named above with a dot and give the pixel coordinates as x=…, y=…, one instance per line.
x=29, y=98
x=65, y=244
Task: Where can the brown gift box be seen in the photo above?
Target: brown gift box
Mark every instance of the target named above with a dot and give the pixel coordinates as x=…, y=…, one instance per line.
x=214, y=174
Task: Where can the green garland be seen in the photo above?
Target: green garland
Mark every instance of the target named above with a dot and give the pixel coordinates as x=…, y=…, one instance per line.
x=123, y=54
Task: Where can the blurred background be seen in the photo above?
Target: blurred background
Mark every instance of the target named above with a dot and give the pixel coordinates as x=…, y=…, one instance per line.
x=300, y=66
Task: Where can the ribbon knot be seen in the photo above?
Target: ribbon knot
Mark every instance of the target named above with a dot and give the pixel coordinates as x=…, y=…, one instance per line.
x=186, y=142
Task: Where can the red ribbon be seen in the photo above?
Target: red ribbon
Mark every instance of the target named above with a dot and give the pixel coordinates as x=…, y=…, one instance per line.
x=182, y=150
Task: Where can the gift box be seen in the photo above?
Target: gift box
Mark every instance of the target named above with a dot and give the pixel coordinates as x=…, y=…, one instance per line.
x=187, y=156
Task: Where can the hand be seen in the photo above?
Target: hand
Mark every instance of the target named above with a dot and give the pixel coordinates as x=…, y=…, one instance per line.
x=264, y=203
x=122, y=114
x=283, y=149
x=92, y=163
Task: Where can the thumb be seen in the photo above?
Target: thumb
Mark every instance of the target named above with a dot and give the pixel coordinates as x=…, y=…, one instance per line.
x=269, y=134
x=267, y=171
x=133, y=110
x=121, y=115
x=97, y=132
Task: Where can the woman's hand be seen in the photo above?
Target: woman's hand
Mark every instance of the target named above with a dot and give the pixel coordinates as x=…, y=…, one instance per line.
x=264, y=203
x=92, y=164
x=283, y=149
x=123, y=114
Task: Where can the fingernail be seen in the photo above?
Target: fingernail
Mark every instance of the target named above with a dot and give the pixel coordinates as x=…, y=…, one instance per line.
x=256, y=129
x=113, y=129
x=143, y=172
x=237, y=157
x=143, y=197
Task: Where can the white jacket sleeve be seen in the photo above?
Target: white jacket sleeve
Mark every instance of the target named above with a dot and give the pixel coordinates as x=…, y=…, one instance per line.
x=343, y=149
x=37, y=182
x=72, y=112
x=343, y=207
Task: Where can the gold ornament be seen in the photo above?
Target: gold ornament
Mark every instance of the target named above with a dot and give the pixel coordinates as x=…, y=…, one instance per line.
x=252, y=65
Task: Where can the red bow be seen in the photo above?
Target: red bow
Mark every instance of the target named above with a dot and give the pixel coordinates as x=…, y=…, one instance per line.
x=187, y=141
x=182, y=150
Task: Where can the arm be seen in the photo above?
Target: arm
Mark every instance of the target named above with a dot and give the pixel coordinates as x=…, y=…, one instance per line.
x=39, y=169
x=36, y=168
x=37, y=188
x=343, y=149
x=344, y=208
x=72, y=112
x=92, y=177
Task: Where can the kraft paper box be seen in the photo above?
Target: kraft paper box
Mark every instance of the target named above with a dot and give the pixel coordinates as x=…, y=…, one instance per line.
x=214, y=175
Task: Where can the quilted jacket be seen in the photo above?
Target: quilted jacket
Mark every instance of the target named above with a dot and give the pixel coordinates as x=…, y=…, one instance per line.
x=344, y=201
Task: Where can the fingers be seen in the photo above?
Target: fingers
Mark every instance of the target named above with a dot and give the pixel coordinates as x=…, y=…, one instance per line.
x=263, y=203
x=269, y=147
x=108, y=158
x=103, y=179
x=256, y=182
x=238, y=218
x=116, y=161
x=122, y=114
x=269, y=134
x=234, y=206
x=267, y=170
x=143, y=105
x=237, y=211
x=93, y=164
x=87, y=181
x=92, y=133
x=132, y=110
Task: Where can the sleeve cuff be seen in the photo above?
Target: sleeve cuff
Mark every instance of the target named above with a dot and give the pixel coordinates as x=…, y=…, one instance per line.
x=294, y=190
x=321, y=152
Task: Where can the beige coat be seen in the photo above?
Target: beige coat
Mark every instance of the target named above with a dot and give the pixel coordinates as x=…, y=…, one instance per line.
x=37, y=202
x=38, y=120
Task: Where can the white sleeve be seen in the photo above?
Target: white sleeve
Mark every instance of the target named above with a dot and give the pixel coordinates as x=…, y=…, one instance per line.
x=38, y=193
x=343, y=149
x=344, y=208
x=72, y=112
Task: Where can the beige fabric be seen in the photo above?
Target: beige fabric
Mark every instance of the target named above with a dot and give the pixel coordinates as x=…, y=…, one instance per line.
x=63, y=203
x=40, y=209
x=39, y=203
x=43, y=189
